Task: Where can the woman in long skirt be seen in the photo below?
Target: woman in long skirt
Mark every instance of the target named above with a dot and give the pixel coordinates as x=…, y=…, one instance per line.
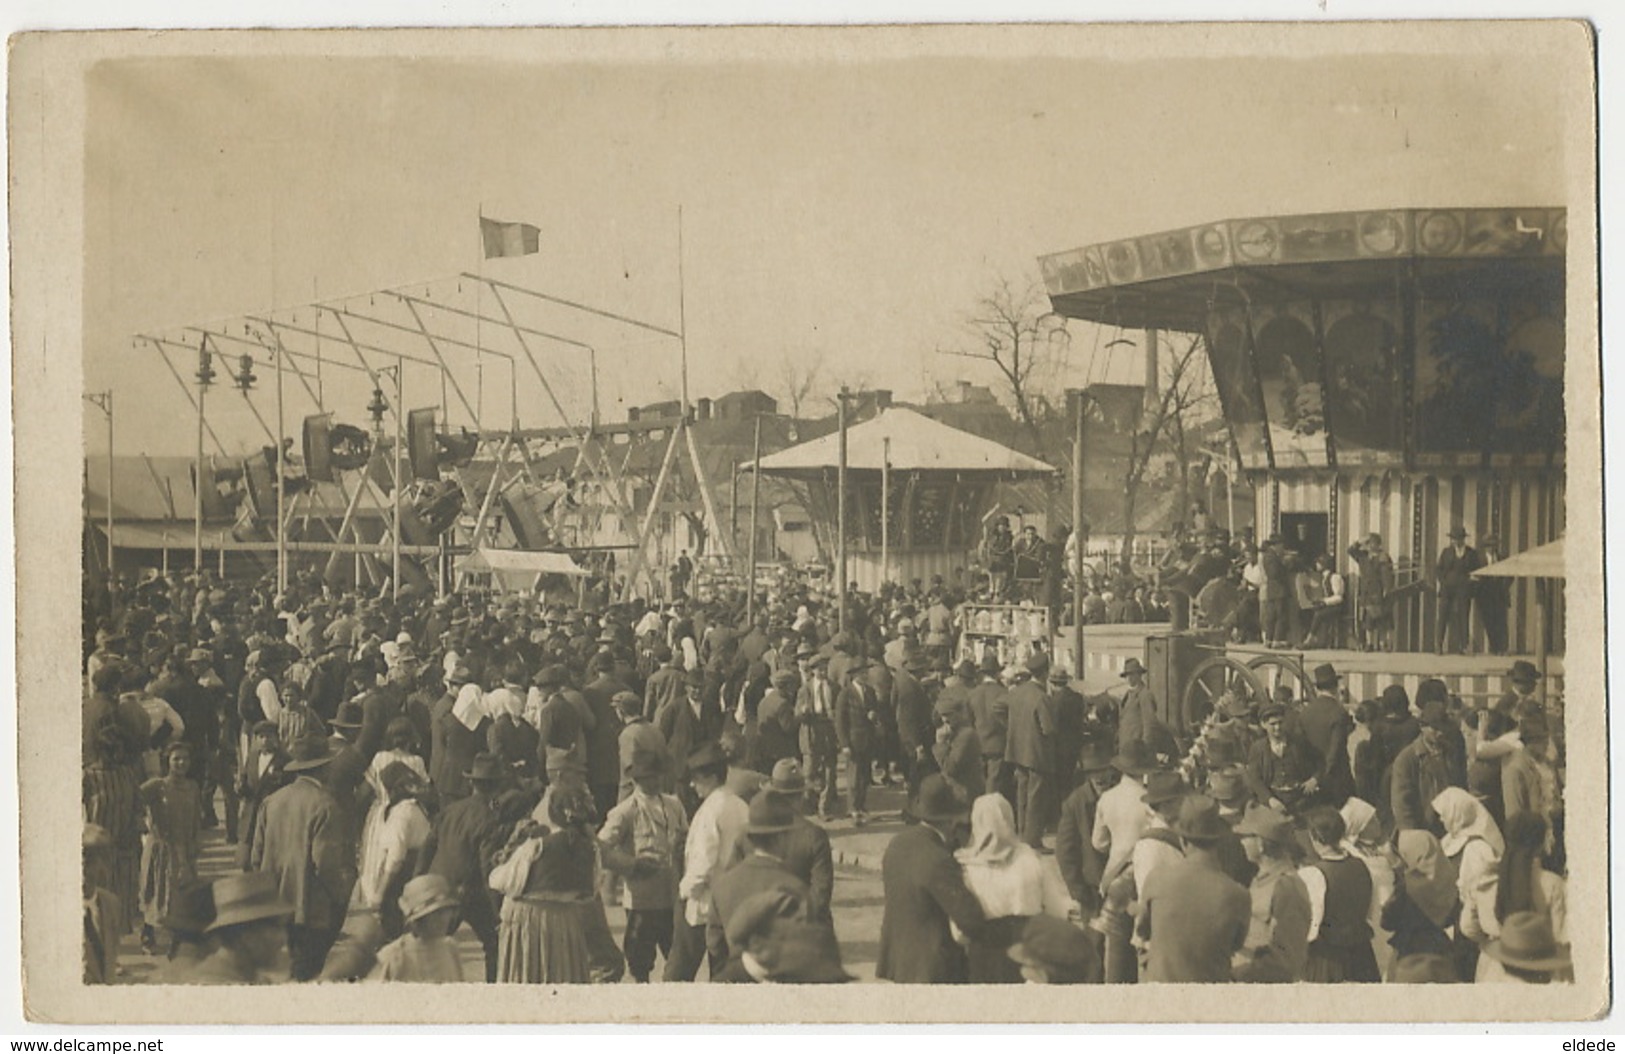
x=174, y=807
x=399, y=742
x=548, y=887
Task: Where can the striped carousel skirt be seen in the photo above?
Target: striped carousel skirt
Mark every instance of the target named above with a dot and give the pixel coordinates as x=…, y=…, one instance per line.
x=543, y=940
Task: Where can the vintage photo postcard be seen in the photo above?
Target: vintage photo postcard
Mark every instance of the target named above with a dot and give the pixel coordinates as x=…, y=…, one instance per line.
x=1041, y=523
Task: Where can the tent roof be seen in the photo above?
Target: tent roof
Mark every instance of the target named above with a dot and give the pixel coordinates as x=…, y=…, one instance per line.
x=1543, y=561
x=520, y=561
x=917, y=444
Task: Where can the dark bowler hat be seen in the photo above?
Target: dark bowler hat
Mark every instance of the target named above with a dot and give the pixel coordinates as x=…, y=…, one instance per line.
x=1226, y=784
x=1435, y=715
x=1097, y=757
x=1269, y=824
x=1223, y=752
x=486, y=768
x=1395, y=700
x=310, y=751
x=1199, y=819
x=770, y=814
x=938, y=802
x=1133, y=666
x=991, y=664
x=965, y=670
x=1458, y=531
x=1038, y=664
x=1325, y=676
x=694, y=679
x=349, y=716
x=550, y=676
x=1055, y=946
x=1523, y=670
x=245, y=898
x=1163, y=787
x=787, y=778
x=1527, y=943
x=1424, y=968
x=1136, y=759
x=709, y=755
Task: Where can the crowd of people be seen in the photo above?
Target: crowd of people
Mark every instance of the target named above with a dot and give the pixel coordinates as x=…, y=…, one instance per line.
x=390, y=771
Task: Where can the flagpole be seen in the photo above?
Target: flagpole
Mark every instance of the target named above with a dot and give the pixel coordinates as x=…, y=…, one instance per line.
x=682, y=310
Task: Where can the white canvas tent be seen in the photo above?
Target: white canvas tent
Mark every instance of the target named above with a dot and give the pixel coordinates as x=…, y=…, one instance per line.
x=1541, y=563
x=516, y=570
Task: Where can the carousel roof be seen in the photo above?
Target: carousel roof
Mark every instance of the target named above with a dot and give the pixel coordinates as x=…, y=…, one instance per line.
x=918, y=444
x=1172, y=279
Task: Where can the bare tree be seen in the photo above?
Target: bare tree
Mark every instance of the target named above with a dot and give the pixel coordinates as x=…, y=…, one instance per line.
x=1017, y=333
x=799, y=383
x=1186, y=390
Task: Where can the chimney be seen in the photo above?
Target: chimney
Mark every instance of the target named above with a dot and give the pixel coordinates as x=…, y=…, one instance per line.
x=882, y=399
x=632, y=414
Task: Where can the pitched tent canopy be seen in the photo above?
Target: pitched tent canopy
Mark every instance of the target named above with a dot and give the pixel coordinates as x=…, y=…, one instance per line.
x=1543, y=561
x=918, y=444
x=518, y=569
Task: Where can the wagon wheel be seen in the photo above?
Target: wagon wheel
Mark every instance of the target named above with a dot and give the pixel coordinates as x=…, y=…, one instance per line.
x=1277, y=670
x=1212, y=678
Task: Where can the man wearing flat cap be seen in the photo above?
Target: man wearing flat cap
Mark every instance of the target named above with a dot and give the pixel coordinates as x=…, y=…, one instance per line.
x=776, y=723
x=1423, y=769
x=815, y=714
x=1193, y=917
x=1029, y=748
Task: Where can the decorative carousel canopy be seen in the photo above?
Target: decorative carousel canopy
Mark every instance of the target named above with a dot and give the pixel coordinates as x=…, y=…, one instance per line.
x=1414, y=338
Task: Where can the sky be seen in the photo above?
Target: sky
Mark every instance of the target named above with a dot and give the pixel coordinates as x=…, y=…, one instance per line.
x=846, y=212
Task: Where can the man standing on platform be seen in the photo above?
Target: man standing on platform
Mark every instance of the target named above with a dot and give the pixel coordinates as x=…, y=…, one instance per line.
x=1492, y=597
x=1376, y=585
x=1454, y=576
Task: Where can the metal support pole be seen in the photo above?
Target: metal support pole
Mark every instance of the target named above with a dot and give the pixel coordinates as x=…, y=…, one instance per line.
x=1080, y=406
x=840, y=516
x=281, y=484
x=395, y=465
x=885, y=509
x=197, y=487
x=755, y=512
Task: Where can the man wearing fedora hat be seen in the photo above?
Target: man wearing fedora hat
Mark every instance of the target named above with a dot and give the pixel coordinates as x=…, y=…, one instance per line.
x=301, y=839
x=1523, y=680
x=1139, y=717
x=688, y=725
x=1193, y=917
x=1121, y=816
x=642, y=841
x=1325, y=725
x=1030, y=748
x=776, y=723
x=1082, y=864
x=860, y=729
x=815, y=714
x=771, y=819
x=911, y=709
x=1423, y=769
x=464, y=838
x=250, y=930
x=925, y=891
x=990, y=710
x=806, y=850
x=1453, y=578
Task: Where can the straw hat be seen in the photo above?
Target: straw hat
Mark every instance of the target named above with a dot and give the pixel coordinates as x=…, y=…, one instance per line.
x=245, y=898
x=425, y=895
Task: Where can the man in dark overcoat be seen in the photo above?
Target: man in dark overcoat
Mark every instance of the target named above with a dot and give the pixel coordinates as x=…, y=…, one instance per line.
x=925, y=890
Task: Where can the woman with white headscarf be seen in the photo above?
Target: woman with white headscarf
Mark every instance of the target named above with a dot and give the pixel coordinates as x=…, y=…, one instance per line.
x=1365, y=841
x=1474, y=844
x=1009, y=879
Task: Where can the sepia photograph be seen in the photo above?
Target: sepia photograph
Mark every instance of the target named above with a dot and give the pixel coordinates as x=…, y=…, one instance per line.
x=891, y=510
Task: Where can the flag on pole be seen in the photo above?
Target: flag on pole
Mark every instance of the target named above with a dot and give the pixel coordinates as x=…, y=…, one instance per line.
x=508, y=239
